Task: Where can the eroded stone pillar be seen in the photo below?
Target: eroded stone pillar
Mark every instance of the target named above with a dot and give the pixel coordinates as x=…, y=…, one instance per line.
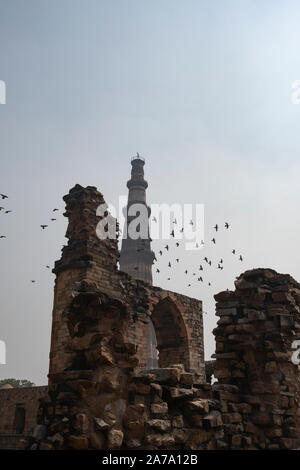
x=254, y=337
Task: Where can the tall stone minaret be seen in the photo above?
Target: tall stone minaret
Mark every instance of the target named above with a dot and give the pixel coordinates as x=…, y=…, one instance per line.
x=136, y=257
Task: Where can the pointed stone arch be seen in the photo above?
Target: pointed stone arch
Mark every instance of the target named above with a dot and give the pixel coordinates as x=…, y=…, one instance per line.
x=171, y=334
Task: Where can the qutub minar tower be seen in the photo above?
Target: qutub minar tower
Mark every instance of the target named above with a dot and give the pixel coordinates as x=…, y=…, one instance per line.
x=136, y=256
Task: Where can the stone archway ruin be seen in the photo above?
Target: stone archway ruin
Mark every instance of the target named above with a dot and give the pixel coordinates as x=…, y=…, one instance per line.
x=172, y=340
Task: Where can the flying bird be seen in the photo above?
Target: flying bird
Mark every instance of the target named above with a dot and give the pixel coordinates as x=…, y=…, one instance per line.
x=201, y=268
x=7, y=212
x=33, y=280
x=1, y=208
x=206, y=259
x=185, y=272
x=214, y=240
x=169, y=265
x=52, y=220
x=177, y=244
x=226, y=225
x=233, y=252
x=55, y=209
x=177, y=260
x=48, y=267
x=154, y=219
x=44, y=226
x=3, y=196
x=216, y=227
x=181, y=231
x=200, y=279
x=167, y=247
x=2, y=236
x=191, y=222
x=172, y=234
x=157, y=270
x=241, y=258
x=160, y=252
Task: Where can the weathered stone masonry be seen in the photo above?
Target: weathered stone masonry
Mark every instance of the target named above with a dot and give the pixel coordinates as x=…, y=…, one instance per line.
x=101, y=397
x=258, y=324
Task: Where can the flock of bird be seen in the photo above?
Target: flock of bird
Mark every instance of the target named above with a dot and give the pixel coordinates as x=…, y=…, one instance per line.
x=205, y=261
x=162, y=252
x=43, y=226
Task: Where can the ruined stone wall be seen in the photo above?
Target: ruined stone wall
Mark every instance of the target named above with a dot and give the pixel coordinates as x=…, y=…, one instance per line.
x=257, y=326
x=101, y=397
x=27, y=398
x=93, y=260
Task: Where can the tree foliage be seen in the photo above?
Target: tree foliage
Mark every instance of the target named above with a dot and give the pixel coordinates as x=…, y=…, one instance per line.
x=16, y=383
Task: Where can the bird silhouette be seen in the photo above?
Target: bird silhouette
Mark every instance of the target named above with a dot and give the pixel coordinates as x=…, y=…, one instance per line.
x=33, y=280
x=181, y=231
x=226, y=225
x=191, y=222
x=3, y=196
x=160, y=252
x=185, y=272
x=241, y=258
x=167, y=247
x=206, y=259
x=154, y=219
x=177, y=260
x=216, y=227
x=7, y=212
x=169, y=265
x=2, y=236
x=44, y=226
x=233, y=252
x=52, y=220
x=200, y=279
x=214, y=240
x=221, y=261
x=55, y=209
x=175, y=221
x=209, y=262
x=200, y=268
x=48, y=267
x=177, y=244
x=1, y=208
x=157, y=270
x=172, y=234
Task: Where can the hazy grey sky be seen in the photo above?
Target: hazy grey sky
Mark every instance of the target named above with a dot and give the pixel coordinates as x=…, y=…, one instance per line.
x=202, y=89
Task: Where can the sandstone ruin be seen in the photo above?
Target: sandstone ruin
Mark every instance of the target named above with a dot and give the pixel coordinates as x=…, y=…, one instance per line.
x=100, y=393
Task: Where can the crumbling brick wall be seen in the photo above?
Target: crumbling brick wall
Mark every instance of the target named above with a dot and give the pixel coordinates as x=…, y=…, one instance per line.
x=28, y=399
x=176, y=318
x=257, y=326
x=100, y=397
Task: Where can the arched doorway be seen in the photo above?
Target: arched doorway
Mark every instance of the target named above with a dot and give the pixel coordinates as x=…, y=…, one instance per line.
x=172, y=340
x=19, y=421
x=152, y=351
